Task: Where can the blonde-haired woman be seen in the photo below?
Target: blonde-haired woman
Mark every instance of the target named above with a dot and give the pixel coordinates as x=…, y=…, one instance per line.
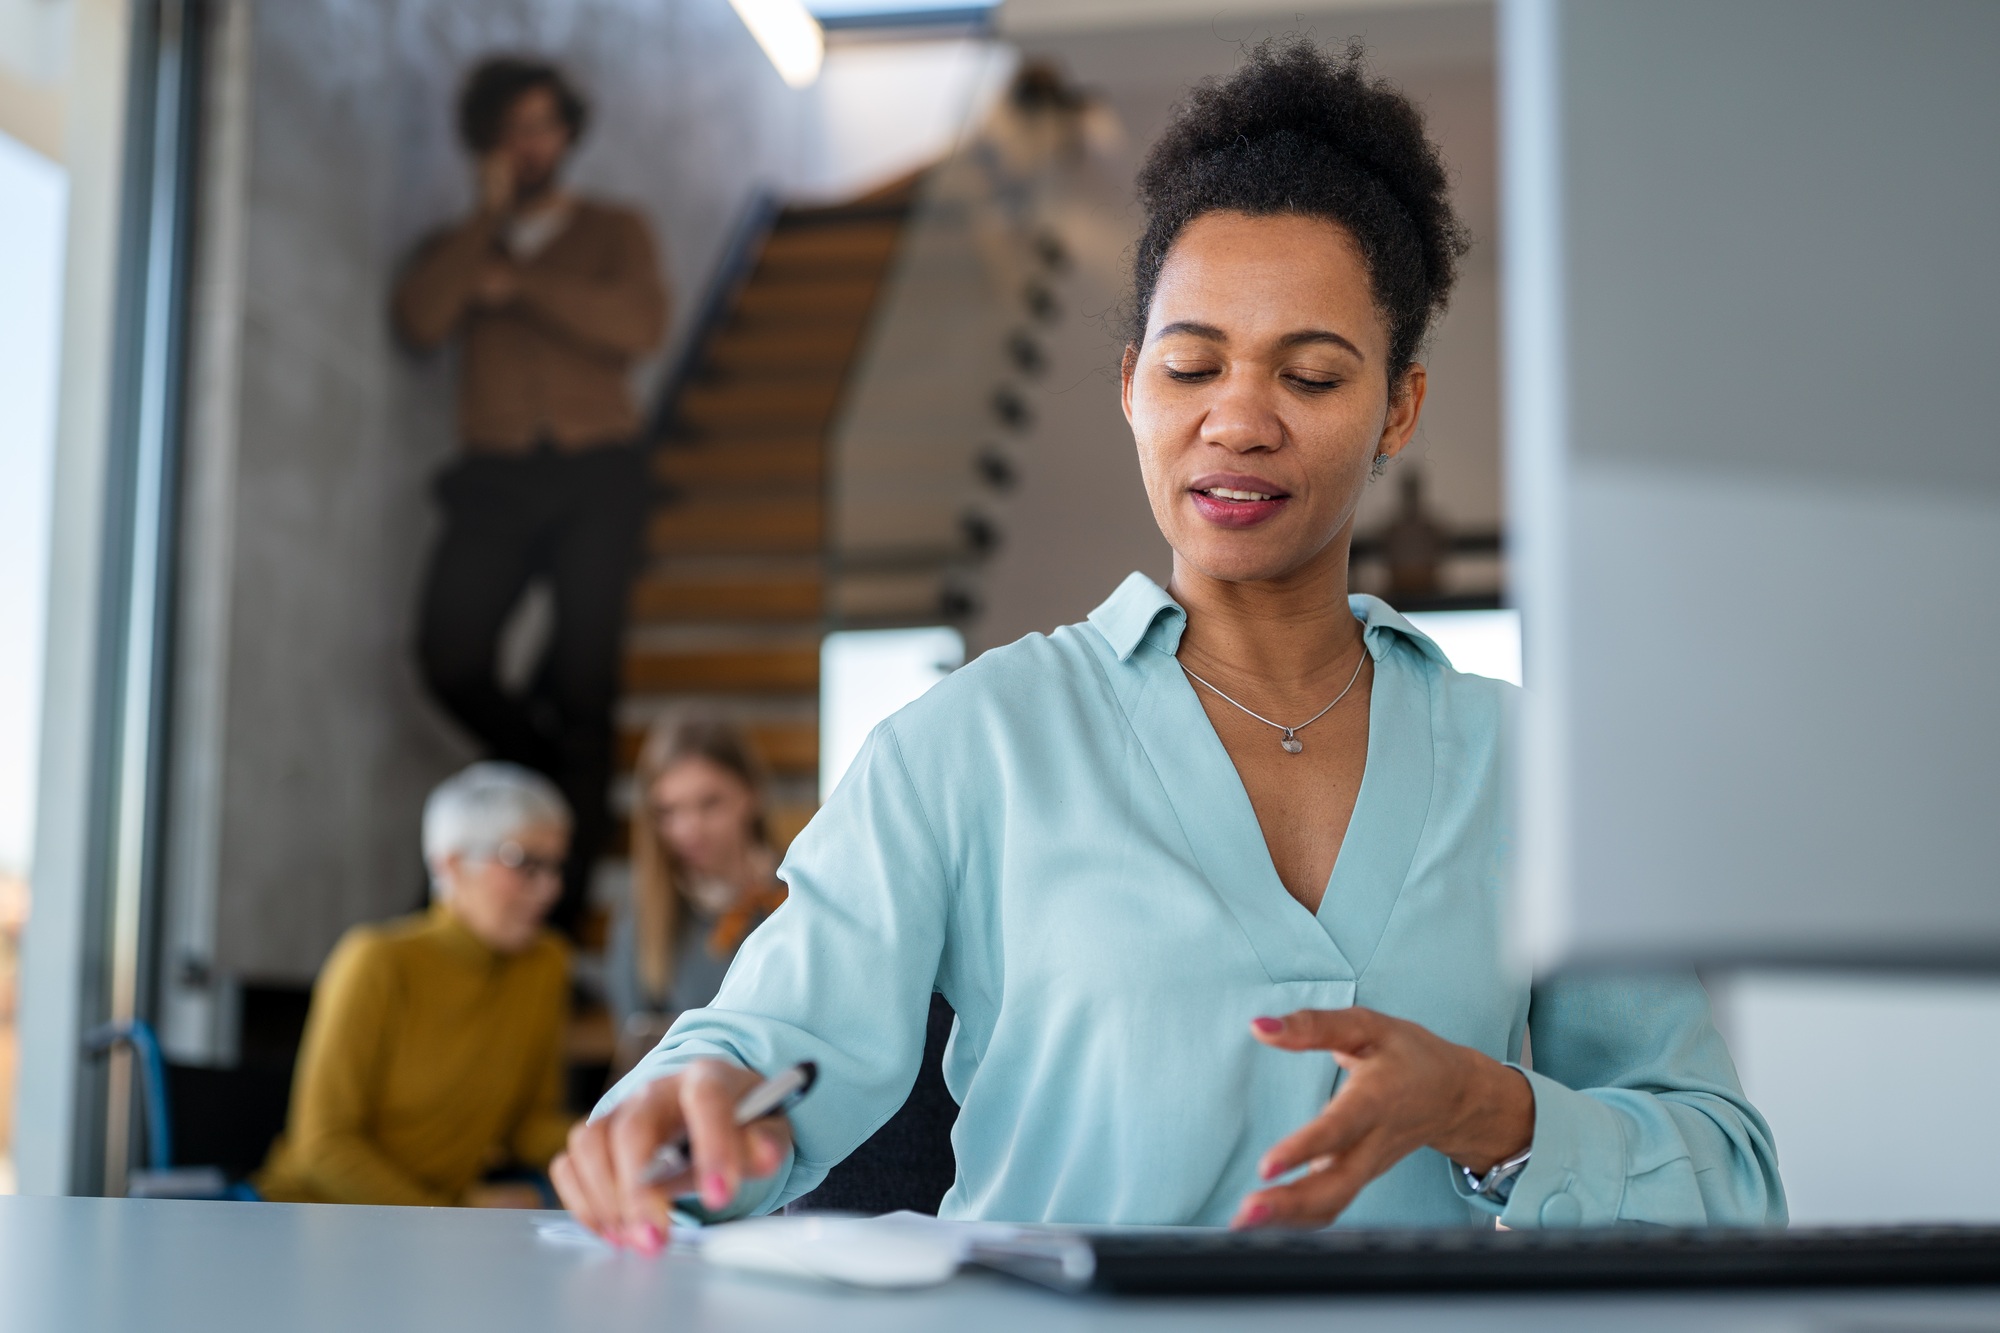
x=704, y=875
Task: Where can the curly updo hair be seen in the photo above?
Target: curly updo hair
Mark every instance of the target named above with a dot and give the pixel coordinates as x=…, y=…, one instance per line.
x=1302, y=131
x=498, y=82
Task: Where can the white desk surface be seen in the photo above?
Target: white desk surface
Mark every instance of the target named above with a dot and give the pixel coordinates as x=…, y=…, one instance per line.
x=81, y=1265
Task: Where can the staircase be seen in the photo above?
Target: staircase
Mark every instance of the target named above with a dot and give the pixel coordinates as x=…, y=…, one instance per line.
x=730, y=610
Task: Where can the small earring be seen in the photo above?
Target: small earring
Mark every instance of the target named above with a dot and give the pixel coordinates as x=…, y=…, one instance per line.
x=1381, y=465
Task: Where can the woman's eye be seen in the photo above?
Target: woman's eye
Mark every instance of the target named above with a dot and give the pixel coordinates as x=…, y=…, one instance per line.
x=1189, y=375
x=1314, y=383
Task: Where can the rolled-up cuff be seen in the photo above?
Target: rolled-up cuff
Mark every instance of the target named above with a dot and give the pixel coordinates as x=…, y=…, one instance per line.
x=756, y=1196
x=1576, y=1176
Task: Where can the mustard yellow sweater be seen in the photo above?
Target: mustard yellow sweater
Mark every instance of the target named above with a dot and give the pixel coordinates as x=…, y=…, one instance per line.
x=428, y=1059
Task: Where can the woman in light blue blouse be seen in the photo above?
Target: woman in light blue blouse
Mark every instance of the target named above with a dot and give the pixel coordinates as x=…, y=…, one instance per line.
x=1213, y=879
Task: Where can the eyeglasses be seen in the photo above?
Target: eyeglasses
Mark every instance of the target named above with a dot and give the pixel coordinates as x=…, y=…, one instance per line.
x=517, y=859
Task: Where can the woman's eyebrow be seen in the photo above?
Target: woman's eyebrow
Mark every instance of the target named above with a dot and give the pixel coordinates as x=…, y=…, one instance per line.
x=1210, y=333
x=1193, y=328
x=1320, y=336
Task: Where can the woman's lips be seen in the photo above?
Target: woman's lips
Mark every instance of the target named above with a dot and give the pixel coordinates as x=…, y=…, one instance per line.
x=1237, y=506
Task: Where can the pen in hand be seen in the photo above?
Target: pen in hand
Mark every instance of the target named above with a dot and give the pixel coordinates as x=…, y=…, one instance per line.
x=771, y=1097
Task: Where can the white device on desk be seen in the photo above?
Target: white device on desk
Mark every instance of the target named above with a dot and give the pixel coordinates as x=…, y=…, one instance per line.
x=1754, y=477
x=883, y=1252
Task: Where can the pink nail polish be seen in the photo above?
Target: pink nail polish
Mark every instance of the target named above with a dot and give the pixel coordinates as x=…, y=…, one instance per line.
x=1255, y=1215
x=651, y=1239
x=714, y=1190
x=1270, y=1027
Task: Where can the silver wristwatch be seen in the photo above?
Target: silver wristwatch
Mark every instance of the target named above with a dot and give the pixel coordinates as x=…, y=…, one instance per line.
x=1489, y=1185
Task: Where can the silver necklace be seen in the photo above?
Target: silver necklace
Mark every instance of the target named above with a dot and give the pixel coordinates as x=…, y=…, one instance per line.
x=1290, y=741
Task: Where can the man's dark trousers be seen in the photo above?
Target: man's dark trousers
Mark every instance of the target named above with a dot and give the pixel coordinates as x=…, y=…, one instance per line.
x=573, y=518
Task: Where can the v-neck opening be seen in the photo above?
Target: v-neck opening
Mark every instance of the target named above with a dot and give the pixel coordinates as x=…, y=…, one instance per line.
x=1391, y=807
x=1213, y=808
x=1361, y=793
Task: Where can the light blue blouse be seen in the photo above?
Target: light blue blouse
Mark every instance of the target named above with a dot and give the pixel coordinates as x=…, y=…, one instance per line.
x=1055, y=839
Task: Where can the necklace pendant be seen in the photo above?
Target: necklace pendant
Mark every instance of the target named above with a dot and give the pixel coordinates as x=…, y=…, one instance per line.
x=1292, y=743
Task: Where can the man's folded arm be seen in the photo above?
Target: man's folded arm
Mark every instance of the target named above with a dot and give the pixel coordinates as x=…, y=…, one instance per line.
x=621, y=311
x=438, y=285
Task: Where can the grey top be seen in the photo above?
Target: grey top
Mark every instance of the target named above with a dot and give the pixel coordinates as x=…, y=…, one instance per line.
x=697, y=972
x=81, y=1265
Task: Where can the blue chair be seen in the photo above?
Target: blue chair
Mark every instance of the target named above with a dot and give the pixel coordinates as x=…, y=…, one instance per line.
x=157, y=1177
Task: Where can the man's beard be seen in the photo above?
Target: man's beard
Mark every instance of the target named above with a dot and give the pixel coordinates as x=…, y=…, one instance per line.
x=533, y=189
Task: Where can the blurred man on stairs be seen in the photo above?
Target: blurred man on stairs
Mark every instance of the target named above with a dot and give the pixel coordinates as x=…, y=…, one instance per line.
x=553, y=298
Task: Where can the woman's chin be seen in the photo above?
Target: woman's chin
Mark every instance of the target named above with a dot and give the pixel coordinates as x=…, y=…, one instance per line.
x=1243, y=557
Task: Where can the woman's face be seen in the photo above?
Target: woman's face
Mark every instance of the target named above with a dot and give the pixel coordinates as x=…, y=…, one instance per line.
x=703, y=813
x=1260, y=398
x=502, y=897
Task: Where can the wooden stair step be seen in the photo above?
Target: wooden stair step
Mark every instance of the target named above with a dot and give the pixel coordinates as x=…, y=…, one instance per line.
x=751, y=401
x=673, y=597
x=743, y=434
x=823, y=348
x=898, y=193
x=871, y=244
x=773, y=670
x=769, y=374
x=748, y=420
x=790, y=465
x=788, y=749
x=775, y=524
x=842, y=320
x=846, y=299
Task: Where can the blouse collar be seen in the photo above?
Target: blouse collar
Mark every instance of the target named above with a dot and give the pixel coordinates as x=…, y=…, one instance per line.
x=1140, y=611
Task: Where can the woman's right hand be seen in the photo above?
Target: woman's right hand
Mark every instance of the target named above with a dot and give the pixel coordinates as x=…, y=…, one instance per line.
x=601, y=1177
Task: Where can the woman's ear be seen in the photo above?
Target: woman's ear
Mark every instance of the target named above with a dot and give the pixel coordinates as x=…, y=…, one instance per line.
x=1406, y=404
x=1127, y=366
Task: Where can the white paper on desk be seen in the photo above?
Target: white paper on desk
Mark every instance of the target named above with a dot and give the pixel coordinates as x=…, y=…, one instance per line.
x=567, y=1231
x=898, y=1250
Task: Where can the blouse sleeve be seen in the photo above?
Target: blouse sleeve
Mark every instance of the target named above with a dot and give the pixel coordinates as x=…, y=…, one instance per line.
x=1639, y=1116
x=840, y=974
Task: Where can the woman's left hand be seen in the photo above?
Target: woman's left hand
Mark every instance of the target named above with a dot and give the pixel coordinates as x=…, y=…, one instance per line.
x=1406, y=1088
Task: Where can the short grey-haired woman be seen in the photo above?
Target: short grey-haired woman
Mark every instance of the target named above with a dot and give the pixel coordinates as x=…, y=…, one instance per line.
x=433, y=1049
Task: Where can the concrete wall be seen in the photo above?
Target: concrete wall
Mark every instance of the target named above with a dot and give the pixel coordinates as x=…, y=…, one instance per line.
x=305, y=744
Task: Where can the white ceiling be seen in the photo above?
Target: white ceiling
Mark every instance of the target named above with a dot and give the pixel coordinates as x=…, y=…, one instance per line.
x=1028, y=18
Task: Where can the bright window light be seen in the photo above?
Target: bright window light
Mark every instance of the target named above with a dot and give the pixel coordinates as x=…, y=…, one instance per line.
x=1481, y=643
x=867, y=674
x=789, y=34
x=31, y=264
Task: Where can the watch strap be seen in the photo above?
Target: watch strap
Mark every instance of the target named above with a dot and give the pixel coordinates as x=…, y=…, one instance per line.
x=1488, y=1186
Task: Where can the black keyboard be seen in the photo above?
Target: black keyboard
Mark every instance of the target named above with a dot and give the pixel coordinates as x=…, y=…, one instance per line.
x=1465, y=1260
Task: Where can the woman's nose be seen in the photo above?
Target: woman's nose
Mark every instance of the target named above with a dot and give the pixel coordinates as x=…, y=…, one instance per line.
x=1240, y=419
